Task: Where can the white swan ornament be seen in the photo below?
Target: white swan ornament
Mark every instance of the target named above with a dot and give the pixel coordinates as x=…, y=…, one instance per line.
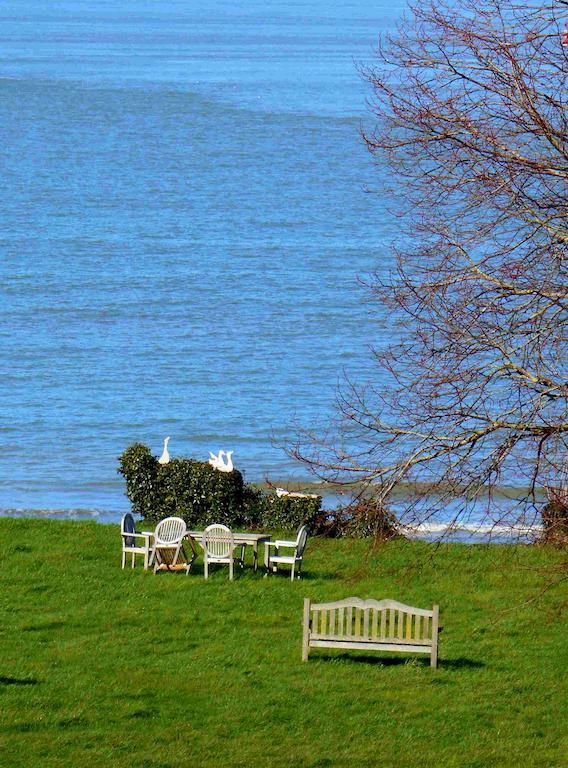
x=226, y=466
x=165, y=457
x=282, y=492
x=216, y=461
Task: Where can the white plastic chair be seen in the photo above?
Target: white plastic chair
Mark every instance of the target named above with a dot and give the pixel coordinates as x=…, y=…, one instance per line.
x=130, y=541
x=168, y=545
x=218, y=547
x=295, y=559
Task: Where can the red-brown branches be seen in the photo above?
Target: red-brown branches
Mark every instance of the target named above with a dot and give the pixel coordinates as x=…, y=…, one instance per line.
x=469, y=106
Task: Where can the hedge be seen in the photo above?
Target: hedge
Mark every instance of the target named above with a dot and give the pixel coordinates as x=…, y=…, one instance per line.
x=202, y=495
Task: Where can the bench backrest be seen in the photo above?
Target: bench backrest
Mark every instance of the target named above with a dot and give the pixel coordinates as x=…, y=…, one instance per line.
x=371, y=620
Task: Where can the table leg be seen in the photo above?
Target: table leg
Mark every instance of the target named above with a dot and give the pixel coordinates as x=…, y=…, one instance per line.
x=146, y=552
x=255, y=555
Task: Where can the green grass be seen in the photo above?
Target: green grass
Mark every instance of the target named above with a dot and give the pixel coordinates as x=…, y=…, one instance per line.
x=103, y=667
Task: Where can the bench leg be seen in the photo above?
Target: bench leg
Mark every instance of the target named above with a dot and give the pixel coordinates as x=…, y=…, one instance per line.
x=434, y=653
x=434, y=656
x=306, y=632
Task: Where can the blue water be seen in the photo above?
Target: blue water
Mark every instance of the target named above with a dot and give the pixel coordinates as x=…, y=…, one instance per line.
x=183, y=219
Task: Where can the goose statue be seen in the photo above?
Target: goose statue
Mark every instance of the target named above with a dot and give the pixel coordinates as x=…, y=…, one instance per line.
x=283, y=492
x=226, y=466
x=216, y=461
x=165, y=457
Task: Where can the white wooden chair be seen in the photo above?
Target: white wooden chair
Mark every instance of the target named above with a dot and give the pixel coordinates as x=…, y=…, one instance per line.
x=294, y=559
x=218, y=547
x=131, y=541
x=168, y=552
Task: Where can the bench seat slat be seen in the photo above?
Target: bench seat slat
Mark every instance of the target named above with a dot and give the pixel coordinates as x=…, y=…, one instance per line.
x=379, y=641
x=368, y=646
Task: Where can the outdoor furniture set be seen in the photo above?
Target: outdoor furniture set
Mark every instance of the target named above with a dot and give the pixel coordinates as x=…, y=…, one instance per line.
x=163, y=549
x=349, y=624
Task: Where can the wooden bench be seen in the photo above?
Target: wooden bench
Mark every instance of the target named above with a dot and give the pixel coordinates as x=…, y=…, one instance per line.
x=370, y=625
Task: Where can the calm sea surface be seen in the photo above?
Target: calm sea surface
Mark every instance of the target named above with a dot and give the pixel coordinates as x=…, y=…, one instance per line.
x=183, y=219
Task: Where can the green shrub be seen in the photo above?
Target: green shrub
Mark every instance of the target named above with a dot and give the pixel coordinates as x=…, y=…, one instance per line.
x=555, y=522
x=287, y=513
x=140, y=470
x=369, y=518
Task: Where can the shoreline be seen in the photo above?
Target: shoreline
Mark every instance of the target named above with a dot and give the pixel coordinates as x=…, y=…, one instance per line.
x=474, y=533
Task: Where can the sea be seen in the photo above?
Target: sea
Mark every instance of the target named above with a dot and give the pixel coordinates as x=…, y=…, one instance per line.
x=187, y=214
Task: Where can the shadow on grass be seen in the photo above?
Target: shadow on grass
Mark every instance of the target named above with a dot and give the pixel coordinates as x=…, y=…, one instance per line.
x=48, y=625
x=306, y=576
x=397, y=661
x=18, y=680
x=247, y=573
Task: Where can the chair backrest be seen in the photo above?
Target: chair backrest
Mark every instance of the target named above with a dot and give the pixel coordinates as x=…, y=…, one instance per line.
x=301, y=540
x=127, y=525
x=170, y=530
x=218, y=541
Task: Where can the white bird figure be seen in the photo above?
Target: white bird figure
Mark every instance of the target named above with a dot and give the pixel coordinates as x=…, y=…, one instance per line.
x=165, y=457
x=282, y=492
x=228, y=465
x=216, y=461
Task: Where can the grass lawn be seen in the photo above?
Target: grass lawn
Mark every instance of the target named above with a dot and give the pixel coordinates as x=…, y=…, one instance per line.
x=104, y=667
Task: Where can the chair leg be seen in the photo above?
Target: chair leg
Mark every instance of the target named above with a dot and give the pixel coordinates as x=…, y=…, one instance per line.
x=133, y=559
x=206, y=567
x=123, y=559
x=231, y=569
x=292, y=576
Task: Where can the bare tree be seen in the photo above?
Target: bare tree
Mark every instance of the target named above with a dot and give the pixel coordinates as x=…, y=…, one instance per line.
x=469, y=107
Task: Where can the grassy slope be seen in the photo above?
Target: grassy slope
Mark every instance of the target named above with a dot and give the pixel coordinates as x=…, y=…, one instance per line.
x=103, y=667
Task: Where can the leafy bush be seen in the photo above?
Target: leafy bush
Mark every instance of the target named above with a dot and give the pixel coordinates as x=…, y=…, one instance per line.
x=555, y=522
x=287, y=513
x=369, y=518
x=140, y=470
